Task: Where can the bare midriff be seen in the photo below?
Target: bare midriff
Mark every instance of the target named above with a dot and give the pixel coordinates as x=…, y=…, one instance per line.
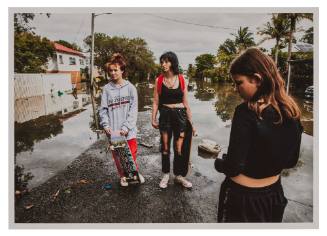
x=254, y=183
x=176, y=105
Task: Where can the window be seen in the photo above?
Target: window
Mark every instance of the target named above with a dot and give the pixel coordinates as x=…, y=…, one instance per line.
x=81, y=61
x=61, y=61
x=72, y=61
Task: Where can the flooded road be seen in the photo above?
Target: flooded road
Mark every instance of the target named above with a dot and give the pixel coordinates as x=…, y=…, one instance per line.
x=69, y=151
x=46, y=146
x=213, y=106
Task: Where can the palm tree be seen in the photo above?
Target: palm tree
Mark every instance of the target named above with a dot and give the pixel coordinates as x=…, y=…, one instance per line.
x=277, y=29
x=228, y=47
x=243, y=38
x=294, y=18
x=308, y=36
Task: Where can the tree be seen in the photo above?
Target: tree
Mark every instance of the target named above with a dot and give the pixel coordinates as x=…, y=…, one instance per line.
x=276, y=29
x=225, y=55
x=191, y=71
x=31, y=53
x=69, y=45
x=22, y=20
x=294, y=18
x=139, y=58
x=243, y=39
x=308, y=36
x=204, y=62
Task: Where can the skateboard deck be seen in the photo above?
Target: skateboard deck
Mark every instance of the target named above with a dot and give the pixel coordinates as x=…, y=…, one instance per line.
x=123, y=156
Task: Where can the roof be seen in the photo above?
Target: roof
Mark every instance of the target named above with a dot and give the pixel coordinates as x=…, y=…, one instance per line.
x=62, y=48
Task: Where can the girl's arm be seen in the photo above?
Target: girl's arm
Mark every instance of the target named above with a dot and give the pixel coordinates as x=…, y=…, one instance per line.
x=131, y=120
x=103, y=112
x=186, y=105
x=155, y=106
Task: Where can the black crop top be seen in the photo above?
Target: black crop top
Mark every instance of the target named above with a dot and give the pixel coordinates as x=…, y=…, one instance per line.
x=258, y=148
x=171, y=96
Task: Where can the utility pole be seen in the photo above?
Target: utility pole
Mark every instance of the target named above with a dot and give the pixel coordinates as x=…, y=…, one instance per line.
x=288, y=76
x=91, y=75
x=91, y=70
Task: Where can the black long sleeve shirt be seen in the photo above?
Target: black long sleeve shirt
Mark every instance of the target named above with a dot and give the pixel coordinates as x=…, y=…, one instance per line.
x=259, y=148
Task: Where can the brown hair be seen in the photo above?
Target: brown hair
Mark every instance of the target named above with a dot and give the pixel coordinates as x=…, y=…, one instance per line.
x=272, y=86
x=117, y=58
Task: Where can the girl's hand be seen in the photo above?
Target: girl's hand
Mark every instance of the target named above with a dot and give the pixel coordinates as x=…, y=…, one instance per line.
x=108, y=131
x=193, y=130
x=123, y=133
x=155, y=124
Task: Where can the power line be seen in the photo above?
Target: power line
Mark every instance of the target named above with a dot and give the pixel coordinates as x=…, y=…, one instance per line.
x=191, y=23
x=79, y=30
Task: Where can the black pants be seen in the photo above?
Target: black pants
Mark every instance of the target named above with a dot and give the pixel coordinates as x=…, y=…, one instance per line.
x=173, y=122
x=238, y=203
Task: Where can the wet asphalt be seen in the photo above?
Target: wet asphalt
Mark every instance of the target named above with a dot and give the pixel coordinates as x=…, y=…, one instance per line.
x=76, y=194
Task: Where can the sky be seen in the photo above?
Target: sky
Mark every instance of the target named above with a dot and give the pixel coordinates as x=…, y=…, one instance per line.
x=187, y=34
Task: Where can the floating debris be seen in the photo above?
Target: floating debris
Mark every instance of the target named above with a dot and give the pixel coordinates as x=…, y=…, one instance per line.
x=27, y=207
x=208, y=149
x=146, y=145
x=147, y=107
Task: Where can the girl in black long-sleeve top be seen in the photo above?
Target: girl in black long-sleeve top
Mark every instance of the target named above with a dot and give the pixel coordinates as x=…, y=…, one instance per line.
x=265, y=139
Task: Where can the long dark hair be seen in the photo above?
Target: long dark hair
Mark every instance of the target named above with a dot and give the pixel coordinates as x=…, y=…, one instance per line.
x=272, y=86
x=172, y=58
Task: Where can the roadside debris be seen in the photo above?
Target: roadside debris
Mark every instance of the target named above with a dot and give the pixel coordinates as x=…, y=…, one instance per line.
x=27, y=207
x=208, y=149
x=147, y=145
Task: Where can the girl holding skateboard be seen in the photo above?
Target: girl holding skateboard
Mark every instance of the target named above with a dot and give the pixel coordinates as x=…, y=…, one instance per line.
x=170, y=98
x=118, y=110
x=265, y=139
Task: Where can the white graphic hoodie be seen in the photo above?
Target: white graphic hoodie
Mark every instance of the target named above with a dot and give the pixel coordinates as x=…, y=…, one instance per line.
x=119, y=107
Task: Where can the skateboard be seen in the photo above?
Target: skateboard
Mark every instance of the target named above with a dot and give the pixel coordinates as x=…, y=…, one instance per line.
x=122, y=153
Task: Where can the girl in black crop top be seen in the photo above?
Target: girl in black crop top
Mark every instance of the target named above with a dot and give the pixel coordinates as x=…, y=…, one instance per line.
x=265, y=139
x=170, y=98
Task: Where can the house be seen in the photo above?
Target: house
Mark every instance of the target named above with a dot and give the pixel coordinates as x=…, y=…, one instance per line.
x=67, y=60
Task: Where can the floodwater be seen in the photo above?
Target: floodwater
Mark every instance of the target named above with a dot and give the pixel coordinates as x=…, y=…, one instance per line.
x=49, y=145
x=46, y=147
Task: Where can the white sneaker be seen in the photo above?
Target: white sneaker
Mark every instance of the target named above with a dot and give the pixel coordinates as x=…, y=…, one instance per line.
x=123, y=182
x=141, y=178
x=180, y=179
x=164, y=181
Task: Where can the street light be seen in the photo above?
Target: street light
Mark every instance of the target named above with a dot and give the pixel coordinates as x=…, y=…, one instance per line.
x=91, y=68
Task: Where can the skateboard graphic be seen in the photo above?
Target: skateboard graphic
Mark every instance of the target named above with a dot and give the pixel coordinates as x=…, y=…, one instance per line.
x=123, y=156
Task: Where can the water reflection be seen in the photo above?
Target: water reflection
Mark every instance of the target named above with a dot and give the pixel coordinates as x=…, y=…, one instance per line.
x=145, y=96
x=204, y=91
x=225, y=100
x=30, y=132
x=306, y=107
x=43, y=148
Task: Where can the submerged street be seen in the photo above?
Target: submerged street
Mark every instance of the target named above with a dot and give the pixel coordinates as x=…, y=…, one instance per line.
x=71, y=166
